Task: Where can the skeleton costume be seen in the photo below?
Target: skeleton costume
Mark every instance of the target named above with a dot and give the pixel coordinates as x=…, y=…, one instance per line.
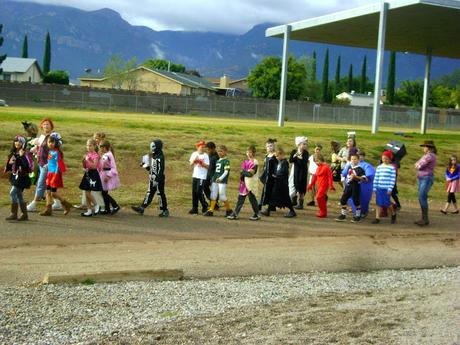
x=155, y=165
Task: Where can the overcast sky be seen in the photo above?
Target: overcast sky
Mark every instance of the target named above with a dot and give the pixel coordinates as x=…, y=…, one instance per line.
x=231, y=16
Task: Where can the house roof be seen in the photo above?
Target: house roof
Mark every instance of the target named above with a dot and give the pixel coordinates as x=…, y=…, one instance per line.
x=356, y=94
x=18, y=65
x=412, y=26
x=181, y=78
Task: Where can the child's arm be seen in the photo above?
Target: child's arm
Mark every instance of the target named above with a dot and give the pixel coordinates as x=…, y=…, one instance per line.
x=224, y=174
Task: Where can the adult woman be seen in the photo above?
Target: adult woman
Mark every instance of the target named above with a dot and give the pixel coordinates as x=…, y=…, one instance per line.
x=425, y=176
x=40, y=150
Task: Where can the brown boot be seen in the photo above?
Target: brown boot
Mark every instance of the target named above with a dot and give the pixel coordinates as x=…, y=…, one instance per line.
x=24, y=215
x=67, y=206
x=14, y=212
x=424, y=221
x=48, y=211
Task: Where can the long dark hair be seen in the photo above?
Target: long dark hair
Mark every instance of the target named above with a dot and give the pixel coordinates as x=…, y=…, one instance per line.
x=108, y=146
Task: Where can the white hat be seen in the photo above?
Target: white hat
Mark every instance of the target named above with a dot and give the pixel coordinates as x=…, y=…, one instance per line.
x=351, y=135
x=299, y=140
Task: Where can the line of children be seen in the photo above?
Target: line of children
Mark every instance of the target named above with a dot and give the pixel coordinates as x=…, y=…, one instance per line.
x=154, y=163
x=109, y=177
x=219, y=182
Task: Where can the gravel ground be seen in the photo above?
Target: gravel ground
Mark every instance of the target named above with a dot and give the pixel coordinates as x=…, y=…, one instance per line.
x=384, y=307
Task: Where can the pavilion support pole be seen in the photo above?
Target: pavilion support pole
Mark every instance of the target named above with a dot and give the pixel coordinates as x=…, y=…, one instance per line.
x=379, y=67
x=284, y=70
x=426, y=90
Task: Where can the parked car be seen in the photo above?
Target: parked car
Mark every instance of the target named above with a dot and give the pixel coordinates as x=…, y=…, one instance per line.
x=3, y=103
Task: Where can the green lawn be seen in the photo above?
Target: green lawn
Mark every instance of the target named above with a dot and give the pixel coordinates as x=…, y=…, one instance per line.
x=131, y=134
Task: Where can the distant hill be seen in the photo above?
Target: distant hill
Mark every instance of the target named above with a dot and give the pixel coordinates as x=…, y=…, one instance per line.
x=87, y=39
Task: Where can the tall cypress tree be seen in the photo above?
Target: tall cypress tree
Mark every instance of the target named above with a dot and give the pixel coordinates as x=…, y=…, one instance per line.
x=25, y=48
x=314, y=66
x=325, y=81
x=2, y=57
x=350, y=78
x=337, y=73
x=391, y=79
x=47, y=56
x=362, y=85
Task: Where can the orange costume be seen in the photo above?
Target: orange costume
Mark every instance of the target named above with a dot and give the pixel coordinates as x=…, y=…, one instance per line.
x=323, y=179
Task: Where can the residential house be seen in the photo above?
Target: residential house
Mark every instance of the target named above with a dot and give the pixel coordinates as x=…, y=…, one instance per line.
x=21, y=70
x=358, y=99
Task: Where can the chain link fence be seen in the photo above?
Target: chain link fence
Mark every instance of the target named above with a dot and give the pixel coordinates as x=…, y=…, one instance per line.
x=17, y=94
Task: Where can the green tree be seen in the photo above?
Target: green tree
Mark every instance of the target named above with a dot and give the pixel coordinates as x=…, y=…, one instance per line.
x=265, y=78
x=391, y=79
x=325, y=80
x=121, y=73
x=455, y=96
x=56, y=77
x=313, y=71
x=2, y=57
x=363, y=84
x=163, y=65
x=337, y=72
x=350, y=78
x=410, y=93
x=25, y=48
x=47, y=56
x=441, y=97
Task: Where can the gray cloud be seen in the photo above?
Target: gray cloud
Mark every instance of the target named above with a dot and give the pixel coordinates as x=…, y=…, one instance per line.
x=235, y=16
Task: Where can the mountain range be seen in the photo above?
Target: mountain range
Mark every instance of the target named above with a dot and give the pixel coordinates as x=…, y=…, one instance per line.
x=87, y=39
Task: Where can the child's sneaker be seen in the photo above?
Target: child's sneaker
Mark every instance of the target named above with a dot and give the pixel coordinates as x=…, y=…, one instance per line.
x=138, y=209
x=204, y=209
x=341, y=218
x=356, y=219
x=208, y=214
x=254, y=217
x=193, y=211
x=115, y=210
x=290, y=214
x=232, y=216
x=228, y=213
x=376, y=221
x=164, y=213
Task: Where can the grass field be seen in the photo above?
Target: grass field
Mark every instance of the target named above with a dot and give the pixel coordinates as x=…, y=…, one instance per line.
x=131, y=134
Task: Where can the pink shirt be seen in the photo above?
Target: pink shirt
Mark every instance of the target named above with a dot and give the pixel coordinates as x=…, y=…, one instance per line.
x=90, y=158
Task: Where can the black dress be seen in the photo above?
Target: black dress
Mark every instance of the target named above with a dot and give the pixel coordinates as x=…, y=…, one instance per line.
x=267, y=178
x=300, y=166
x=91, y=181
x=20, y=170
x=280, y=193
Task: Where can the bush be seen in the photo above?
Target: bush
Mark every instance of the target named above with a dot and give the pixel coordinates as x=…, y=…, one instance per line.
x=56, y=77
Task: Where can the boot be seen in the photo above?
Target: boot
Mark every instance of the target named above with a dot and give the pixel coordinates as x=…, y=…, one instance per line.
x=299, y=206
x=14, y=212
x=424, y=221
x=67, y=206
x=294, y=201
x=24, y=215
x=48, y=211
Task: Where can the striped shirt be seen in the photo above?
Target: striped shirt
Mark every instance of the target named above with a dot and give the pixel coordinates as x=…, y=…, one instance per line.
x=385, y=177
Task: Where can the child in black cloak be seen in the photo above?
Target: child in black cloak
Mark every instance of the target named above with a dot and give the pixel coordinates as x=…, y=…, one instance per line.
x=280, y=193
x=267, y=176
x=299, y=159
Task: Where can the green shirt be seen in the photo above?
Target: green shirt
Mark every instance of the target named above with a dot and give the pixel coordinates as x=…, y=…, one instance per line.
x=222, y=170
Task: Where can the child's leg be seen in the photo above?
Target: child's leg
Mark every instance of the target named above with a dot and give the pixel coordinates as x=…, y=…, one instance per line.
x=378, y=211
x=200, y=194
x=322, y=205
x=195, y=196
x=356, y=200
x=149, y=195
x=105, y=196
x=223, y=195
x=239, y=203
x=48, y=211
x=254, y=204
x=214, y=194
x=99, y=199
x=162, y=196
x=454, y=202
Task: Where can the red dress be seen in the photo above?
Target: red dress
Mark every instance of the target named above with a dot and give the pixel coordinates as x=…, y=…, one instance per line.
x=55, y=169
x=324, y=181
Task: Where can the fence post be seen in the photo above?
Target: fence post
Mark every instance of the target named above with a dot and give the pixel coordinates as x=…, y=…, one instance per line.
x=256, y=110
x=136, y=103
x=164, y=104
x=234, y=106
x=82, y=99
x=54, y=98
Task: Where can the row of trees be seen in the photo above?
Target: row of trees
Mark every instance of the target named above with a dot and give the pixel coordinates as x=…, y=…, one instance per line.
x=264, y=80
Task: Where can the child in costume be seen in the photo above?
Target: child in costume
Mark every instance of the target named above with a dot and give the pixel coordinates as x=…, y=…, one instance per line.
x=336, y=162
x=280, y=193
x=324, y=182
x=267, y=177
x=352, y=189
x=199, y=161
x=311, y=172
x=109, y=177
x=452, y=184
x=299, y=159
x=91, y=180
x=155, y=165
x=384, y=182
x=31, y=136
x=54, y=181
x=20, y=164
x=219, y=182
x=213, y=158
x=249, y=184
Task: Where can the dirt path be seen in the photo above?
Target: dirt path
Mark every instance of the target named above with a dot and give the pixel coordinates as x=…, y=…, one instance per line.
x=205, y=247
